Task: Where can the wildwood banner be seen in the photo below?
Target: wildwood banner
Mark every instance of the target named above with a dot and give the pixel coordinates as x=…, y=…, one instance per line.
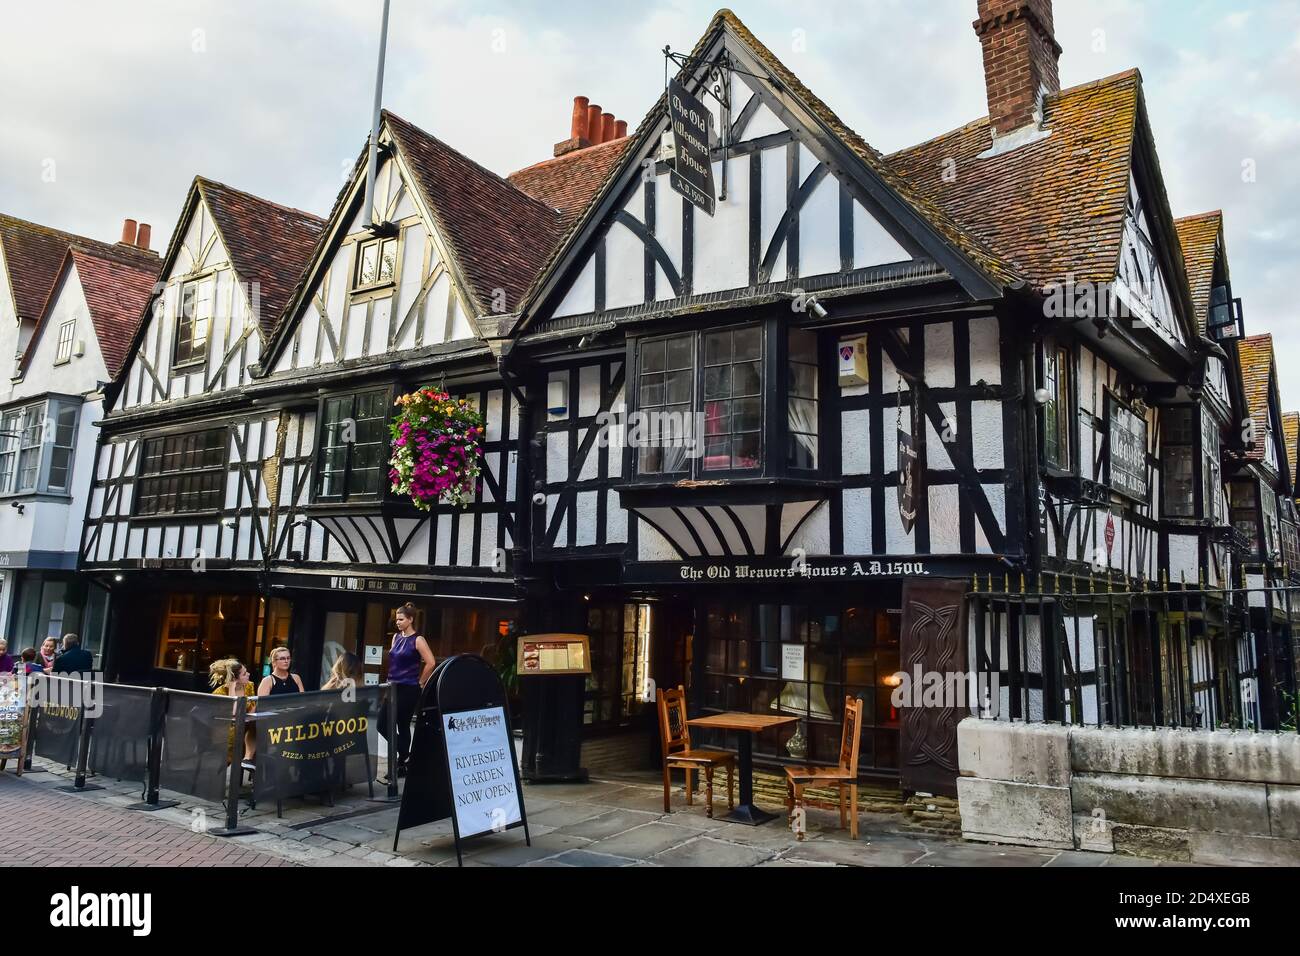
x=314, y=743
x=58, y=728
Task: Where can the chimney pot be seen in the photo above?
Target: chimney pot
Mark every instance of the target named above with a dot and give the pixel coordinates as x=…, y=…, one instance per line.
x=620, y=129
x=142, y=236
x=607, y=127
x=594, y=124
x=128, y=232
x=578, y=128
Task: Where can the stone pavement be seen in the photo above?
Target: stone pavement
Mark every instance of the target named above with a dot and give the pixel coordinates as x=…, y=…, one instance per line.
x=615, y=822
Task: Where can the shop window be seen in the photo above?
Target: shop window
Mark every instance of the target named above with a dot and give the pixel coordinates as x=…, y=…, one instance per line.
x=1058, y=407
x=201, y=628
x=182, y=474
x=803, y=661
x=619, y=638
x=353, y=453
x=194, y=321
x=36, y=446
x=376, y=263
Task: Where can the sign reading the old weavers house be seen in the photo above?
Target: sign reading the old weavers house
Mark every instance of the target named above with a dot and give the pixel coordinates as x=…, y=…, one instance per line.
x=692, y=173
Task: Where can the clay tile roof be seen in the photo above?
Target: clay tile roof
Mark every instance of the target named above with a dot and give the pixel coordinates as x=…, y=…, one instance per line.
x=568, y=182
x=34, y=255
x=497, y=233
x=1255, y=354
x=1054, y=207
x=1199, y=237
x=116, y=285
x=268, y=243
x=1291, y=433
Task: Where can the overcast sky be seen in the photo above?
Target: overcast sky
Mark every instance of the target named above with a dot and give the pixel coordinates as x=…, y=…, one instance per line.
x=110, y=108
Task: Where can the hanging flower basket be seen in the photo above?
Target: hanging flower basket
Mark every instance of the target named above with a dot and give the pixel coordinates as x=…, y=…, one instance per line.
x=437, y=451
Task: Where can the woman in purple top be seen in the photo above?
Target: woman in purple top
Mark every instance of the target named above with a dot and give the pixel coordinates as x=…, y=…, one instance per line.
x=410, y=662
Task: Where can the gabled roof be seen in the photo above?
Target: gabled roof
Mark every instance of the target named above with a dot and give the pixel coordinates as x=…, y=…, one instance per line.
x=34, y=255
x=568, y=182
x=498, y=234
x=983, y=260
x=1054, y=207
x=1255, y=353
x=116, y=283
x=1291, y=435
x=268, y=243
x=1200, y=236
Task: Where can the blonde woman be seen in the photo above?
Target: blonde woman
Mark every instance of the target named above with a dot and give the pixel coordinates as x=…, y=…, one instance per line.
x=281, y=680
x=347, y=670
x=231, y=678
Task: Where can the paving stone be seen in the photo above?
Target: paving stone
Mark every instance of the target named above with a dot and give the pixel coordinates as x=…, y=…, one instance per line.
x=1116, y=859
x=565, y=814
x=880, y=852
x=1077, y=858
x=706, y=851
x=644, y=841
x=587, y=858
x=608, y=824
x=959, y=854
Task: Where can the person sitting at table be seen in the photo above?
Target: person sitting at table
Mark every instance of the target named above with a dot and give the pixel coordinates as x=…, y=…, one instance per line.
x=29, y=661
x=281, y=680
x=49, y=650
x=75, y=659
x=231, y=678
x=347, y=671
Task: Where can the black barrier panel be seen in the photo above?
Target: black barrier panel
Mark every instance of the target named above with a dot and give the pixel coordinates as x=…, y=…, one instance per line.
x=198, y=739
x=315, y=743
x=59, y=717
x=119, y=739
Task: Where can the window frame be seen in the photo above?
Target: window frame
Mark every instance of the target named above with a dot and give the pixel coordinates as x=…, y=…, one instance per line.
x=62, y=357
x=356, y=285
x=1192, y=447
x=37, y=440
x=193, y=359
x=1059, y=386
x=774, y=396
x=347, y=495
x=186, y=471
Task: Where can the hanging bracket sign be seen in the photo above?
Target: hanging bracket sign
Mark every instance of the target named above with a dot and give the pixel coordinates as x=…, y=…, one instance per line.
x=692, y=172
x=908, y=480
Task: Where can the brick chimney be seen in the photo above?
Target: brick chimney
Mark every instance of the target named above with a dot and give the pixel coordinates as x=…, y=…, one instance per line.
x=1020, y=61
x=590, y=126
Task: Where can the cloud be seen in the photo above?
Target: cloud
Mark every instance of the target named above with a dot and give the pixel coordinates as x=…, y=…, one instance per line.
x=129, y=102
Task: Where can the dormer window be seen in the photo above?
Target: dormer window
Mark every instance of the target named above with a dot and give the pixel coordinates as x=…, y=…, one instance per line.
x=376, y=263
x=194, y=321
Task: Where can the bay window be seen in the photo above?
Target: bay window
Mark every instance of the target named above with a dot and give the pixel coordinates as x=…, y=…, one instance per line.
x=710, y=403
x=36, y=446
x=353, y=450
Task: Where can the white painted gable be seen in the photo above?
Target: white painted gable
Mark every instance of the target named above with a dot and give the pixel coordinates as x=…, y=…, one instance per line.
x=779, y=197
x=343, y=319
x=1140, y=284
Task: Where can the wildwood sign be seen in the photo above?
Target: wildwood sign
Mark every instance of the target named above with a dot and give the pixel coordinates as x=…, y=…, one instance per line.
x=692, y=174
x=1126, y=468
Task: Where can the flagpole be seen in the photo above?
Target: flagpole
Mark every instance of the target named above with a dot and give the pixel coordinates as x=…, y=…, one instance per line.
x=373, y=160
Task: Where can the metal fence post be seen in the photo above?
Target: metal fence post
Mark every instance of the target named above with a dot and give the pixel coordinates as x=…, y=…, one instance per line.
x=85, y=726
x=232, y=827
x=158, y=702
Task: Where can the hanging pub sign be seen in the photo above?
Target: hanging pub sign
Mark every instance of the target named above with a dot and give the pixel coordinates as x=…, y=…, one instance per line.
x=692, y=172
x=909, y=480
x=1126, y=460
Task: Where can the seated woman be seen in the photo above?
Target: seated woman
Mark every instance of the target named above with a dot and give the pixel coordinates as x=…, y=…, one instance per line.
x=281, y=680
x=347, y=671
x=231, y=678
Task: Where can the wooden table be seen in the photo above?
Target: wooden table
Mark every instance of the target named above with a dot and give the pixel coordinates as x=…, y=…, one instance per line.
x=747, y=725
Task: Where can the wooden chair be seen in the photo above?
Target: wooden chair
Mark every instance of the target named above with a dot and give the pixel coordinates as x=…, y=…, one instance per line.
x=675, y=738
x=845, y=776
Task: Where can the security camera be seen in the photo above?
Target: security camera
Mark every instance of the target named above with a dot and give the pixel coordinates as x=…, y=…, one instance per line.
x=817, y=309
x=539, y=499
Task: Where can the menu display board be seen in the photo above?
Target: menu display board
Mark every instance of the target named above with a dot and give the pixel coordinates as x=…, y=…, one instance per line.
x=13, y=717
x=543, y=655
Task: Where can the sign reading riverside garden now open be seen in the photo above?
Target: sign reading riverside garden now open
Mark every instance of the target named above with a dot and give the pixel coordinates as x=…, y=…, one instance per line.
x=692, y=172
x=480, y=758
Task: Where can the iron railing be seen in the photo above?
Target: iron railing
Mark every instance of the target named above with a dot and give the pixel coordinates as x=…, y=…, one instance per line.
x=1105, y=653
